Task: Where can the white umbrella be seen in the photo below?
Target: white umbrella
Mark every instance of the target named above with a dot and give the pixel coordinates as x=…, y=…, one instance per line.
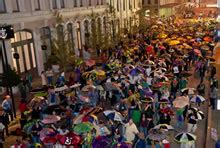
x=58, y=89
x=164, y=126
x=189, y=91
x=113, y=115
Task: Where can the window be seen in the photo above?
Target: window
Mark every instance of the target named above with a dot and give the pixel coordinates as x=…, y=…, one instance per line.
x=90, y=2
x=102, y=2
x=54, y=4
x=149, y=2
x=118, y=1
x=156, y=1
x=97, y=2
x=87, y=34
x=75, y=3
x=70, y=34
x=130, y=7
x=78, y=33
x=60, y=33
x=124, y=4
x=81, y=3
x=15, y=6
x=62, y=4
x=2, y=6
x=37, y=4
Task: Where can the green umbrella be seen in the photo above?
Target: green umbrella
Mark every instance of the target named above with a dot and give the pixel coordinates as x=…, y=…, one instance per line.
x=84, y=127
x=40, y=94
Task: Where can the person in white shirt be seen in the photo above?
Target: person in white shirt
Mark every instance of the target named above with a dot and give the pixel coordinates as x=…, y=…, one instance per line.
x=130, y=131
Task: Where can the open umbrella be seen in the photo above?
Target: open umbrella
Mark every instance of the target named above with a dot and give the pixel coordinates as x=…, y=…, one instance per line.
x=100, y=72
x=197, y=51
x=62, y=88
x=28, y=127
x=167, y=110
x=198, y=99
x=181, y=102
x=69, y=139
x=193, y=109
x=147, y=99
x=84, y=127
x=207, y=39
x=75, y=85
x=90, y=63
x=46, y=134
x=49, y=119
x=205, y=47
x=113, y=115
x=109, y=86
x=156, y=135
x=164, y=127
x=199, y=115
x=185, y=74
x=101, y=142
x=185, y=137
x=188, y=91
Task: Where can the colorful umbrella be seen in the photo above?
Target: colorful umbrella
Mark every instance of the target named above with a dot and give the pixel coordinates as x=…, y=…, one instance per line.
x=88, y=88
x=101, y=142
x=185, y=137
x=90, y=63
x=49, y=119
x=147, y=99
x=199, y=115
x=84, y=127
x=28, y=127
x=167, y=110
x=193, y=109
x=198, y=99
x=197, y=51
x=207, y=39
x=47, y=135
x=90, y=118
x=100, y=72
x=174, y=42
x=113, y=115
x=63, y=88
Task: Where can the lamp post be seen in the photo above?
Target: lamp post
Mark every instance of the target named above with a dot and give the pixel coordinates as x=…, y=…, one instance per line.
x=6, y=32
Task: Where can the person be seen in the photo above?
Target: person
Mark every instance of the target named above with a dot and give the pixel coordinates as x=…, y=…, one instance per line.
x=49, y=75
x=5, y=121
x=192, y=123
x=165, y=119
x=201, y=88
x=213, y=96
x=23, y=106
x=36, y=128
x=7, y=106
x=130, y=131
x=22, y=89
x=43, y=79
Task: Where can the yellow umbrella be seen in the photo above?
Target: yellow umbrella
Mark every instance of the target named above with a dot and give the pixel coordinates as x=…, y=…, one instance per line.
x=174, y=42
x=100, y=72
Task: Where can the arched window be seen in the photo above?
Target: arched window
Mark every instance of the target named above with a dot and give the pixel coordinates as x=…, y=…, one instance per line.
x=87, y=34
x=99, y=30
x=78, y=33
x=60, y=33
x=46, y=42
x=23, y=44
x=70, y=34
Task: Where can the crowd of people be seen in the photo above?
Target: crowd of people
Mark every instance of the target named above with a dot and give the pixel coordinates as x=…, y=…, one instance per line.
x=138, y=97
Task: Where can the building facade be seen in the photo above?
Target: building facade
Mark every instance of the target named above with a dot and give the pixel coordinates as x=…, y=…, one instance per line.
x=35, y=25
x=126, y=12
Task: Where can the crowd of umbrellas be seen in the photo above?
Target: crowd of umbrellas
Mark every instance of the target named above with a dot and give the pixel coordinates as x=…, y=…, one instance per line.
x=145, y=76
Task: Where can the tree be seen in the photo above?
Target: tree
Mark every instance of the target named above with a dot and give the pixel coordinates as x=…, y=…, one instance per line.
x=61, y=51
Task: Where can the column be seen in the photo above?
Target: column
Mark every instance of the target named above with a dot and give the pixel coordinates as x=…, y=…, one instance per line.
x=38, y=51
x=8, y=51
x=82, y=33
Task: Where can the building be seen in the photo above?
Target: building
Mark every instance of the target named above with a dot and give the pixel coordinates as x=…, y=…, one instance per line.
x=34, y=26
x=161, y=7
x=126, y=12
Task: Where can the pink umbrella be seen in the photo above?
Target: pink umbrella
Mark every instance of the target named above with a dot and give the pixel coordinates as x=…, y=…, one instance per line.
x=90, y=63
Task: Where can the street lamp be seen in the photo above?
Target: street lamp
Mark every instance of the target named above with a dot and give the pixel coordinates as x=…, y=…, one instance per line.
x=7, y=32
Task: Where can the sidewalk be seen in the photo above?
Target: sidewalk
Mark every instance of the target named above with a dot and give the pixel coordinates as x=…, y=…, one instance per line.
x=213, y=120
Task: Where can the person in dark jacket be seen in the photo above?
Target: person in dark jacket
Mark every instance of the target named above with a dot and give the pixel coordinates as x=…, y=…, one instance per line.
x=165, y=119
x=4, y=119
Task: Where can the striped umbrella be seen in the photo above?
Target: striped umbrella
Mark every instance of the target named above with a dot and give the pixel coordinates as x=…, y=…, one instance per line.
x=185, y=137
x=198, y=99
x=199, y=115
x=164, y=126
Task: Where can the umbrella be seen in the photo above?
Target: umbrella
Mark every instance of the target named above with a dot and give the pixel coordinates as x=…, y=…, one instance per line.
x=181, y=102
x=147, y=99
x=75, y=85
x=205, y=47
x=84, y=127
x=84, y=98
x=123, y=145
x=50, y=140
x=100, y=72
x=47, y=133
x=198, y=99
x=189, y=91
x=174, y=42
x=90, y=63
x=156, y=135
x=90, y=118
x=199, y=115
x=197, y=51
x=69, y=139
x=167, y=110
x=49, y=119
x=40, y=94
x=101, y=142
x=88, y=88
x=185, y=137
x=193, y=109
x=207, y=39
x=28, y=127
x=164, y=126
x=113, y=115
x=211, y=58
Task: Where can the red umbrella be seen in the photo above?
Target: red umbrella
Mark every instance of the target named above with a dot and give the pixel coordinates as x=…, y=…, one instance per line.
x=90, y=63
x=167, y=110
x=48, y=140
x=69, y=139
x=207, y=39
